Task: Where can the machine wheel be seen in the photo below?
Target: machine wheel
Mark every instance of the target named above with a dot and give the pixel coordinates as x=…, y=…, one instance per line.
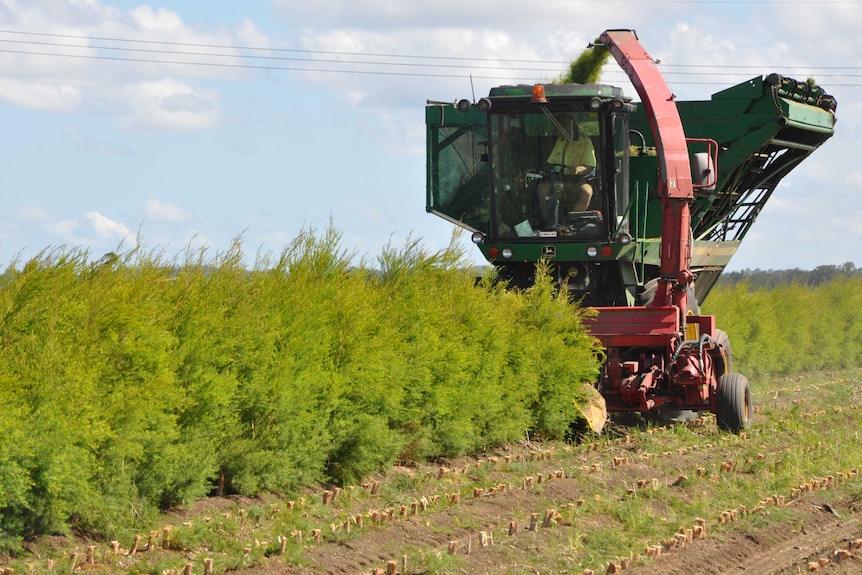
x=722, y=338
x=733, y=403
x=668, y=415
x=647, y=296
x=648, y=293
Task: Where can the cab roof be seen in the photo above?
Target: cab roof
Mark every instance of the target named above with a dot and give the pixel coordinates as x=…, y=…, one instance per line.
x=555, y=91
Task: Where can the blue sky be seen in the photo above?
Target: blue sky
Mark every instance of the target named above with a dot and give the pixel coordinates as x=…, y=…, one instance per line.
x=99, y=150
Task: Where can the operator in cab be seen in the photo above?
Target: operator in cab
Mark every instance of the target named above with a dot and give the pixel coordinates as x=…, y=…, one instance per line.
x=571, y=161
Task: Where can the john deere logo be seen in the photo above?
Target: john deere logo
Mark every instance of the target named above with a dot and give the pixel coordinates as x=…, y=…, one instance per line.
x=549, y=251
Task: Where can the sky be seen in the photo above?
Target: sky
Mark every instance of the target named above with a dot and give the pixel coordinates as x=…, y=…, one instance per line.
x=202, y=123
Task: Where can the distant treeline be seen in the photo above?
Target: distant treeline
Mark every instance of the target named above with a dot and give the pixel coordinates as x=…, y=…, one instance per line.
x=769, y=279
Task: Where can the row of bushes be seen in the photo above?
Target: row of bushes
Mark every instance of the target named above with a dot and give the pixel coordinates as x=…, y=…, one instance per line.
x=136, y=382
x=791, y=328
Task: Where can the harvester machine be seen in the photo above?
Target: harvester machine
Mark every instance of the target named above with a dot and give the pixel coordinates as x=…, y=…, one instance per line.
x=638, y=220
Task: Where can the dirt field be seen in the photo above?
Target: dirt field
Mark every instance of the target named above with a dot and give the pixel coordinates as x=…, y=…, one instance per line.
x=489, y=531
x=820, y=532
x=641, y=499
x=813, y=540
x=579, y=496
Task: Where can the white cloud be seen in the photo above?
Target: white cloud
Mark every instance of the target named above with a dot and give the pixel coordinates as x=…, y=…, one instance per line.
x=58, y=228
x=159, y=21
x=536, y=17
x=56, y=63
x=165, y=212
x=40, y=95
x=106, y=227
x=248, y=34
x=402, y=132
x=62, y=228
x=425, y=59
x=170, y=105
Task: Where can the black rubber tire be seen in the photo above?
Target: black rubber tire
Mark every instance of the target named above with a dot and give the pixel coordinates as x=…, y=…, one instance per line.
x=733, y=403
x=722, y=338
x=647, y=296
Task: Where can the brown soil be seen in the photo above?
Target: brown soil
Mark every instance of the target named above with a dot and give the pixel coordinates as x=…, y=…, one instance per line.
x=816, y=538
x=814, y=542
x=816, y=530
x=408, y=522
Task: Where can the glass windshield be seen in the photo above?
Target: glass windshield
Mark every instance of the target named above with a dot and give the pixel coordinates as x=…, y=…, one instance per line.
x=546, y=175
x=458, y=176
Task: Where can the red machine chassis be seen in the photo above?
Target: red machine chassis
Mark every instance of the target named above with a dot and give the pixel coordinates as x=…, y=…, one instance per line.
x=657, y=355
x=649, y=362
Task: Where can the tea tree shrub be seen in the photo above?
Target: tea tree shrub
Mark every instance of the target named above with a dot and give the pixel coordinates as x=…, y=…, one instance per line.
x=564, y=357
x=137, y=382
x=791, y=328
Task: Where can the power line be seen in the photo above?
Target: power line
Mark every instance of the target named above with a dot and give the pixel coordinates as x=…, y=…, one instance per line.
x=406, y=64
x=357, y=54
x=276, y=50
x=683, y=68
x=259, y=57
x=245, y=66
x=318, y=70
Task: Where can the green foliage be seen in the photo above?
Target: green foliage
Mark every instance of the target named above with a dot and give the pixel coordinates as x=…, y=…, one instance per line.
x=587, y=66
x=136, y=383
x=566, y=353
x=791, y=328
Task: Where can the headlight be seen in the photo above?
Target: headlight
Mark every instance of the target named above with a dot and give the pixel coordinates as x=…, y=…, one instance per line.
x=592, y=251
x=477, y=237
x=507, y=253
x=625, y=239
